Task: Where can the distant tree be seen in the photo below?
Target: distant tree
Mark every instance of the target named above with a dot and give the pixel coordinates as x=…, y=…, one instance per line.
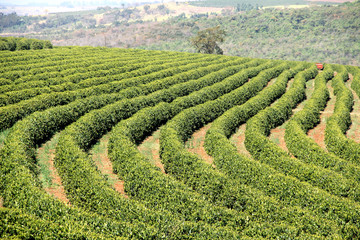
x=48, y=44
x=23, y=44
x=9, y=20
x=35, y=44
x=161, y=7
x=146, y=8
x=206, y=41
x=3, y=45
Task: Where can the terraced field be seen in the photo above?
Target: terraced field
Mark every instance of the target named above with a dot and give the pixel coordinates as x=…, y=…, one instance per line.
x=101, y=143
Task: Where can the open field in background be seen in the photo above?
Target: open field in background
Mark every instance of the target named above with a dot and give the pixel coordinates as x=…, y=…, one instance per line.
x=101, y=143
x=265, y=3
x=315, y=33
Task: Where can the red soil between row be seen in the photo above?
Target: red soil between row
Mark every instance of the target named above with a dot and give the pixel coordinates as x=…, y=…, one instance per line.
x=155, y=156
x=354, y=129
x=197, y=141
x=56, y=189
x=238, y=138
x=318, y=132
x=104, y=165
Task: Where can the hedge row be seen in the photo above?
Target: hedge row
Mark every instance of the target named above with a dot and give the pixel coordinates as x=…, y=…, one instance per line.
x=45, y=74
x=16, y=71
x=216, y=186
x=66, y=51
x=14, y=224
x=355, y=71
x=337, y=125
x=13, y=43
x=80, y=135
x=43, y=124
x=22, y=57
x=18, y=188
x=288, y=190
x=13, y=113
x=305, y=148
x=72, y=111
x=201, y=177
x=266, y=151
x=144, y=181
x=11, y=72
x=78, y=72
x=50, y=60
x=70, y=82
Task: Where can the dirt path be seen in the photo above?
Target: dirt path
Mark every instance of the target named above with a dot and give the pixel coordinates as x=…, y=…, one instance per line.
x=238, y=139
x=103, y=163
x=150, y=148
x=318, y=132
x=3, y=136
x=354, y=130
x=277, y=135
x=196, y=144
x=49, y=176
x=1, y=202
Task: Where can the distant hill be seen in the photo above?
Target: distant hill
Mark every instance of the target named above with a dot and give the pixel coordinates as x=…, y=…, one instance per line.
x=224, y=3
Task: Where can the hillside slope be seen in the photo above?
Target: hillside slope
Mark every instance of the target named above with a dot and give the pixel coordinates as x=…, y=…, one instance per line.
x=74, y=120
x=317, y=33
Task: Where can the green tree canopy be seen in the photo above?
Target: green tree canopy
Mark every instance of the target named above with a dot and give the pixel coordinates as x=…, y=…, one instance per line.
x=206, y=41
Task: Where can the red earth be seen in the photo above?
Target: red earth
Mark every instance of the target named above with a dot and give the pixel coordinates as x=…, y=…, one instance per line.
x=56, y=187
x=150, y=148
x=104, y=165
x=238, y=138
x=354, y=130
x=196, y=144
x=318, y=132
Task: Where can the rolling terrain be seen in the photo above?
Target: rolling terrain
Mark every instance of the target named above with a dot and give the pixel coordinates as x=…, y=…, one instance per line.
x=107, y=143
x=286, y=31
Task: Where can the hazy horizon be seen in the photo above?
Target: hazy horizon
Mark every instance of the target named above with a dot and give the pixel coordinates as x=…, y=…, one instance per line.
x=74, y=2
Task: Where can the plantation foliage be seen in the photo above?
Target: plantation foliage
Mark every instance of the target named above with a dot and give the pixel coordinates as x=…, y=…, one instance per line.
x=84, y=93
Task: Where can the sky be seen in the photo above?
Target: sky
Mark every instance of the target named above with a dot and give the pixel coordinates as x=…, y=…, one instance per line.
x=74, y=2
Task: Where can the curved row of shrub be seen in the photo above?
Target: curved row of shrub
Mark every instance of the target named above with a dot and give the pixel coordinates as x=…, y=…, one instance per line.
x=73, y=82
x=67, y=112
x=15, y=224
x=26, y=74
x=355, y=71
x=107, y=67
x=51, y=60
x=52, y=57
x=144, y=181
x=60, y=63
x=45, y=74
x=188, y=168
x=41, y=125
x=79, y=136
x=45, y=124
x=239, y=198
x=22, y=57
x=13, y=113
x=266, y=151
x=20, y=189
x=250, y=172
x=337, y=125
x=305, y=148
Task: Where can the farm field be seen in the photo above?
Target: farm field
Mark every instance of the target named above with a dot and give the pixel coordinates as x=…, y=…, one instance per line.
x=101, y=143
